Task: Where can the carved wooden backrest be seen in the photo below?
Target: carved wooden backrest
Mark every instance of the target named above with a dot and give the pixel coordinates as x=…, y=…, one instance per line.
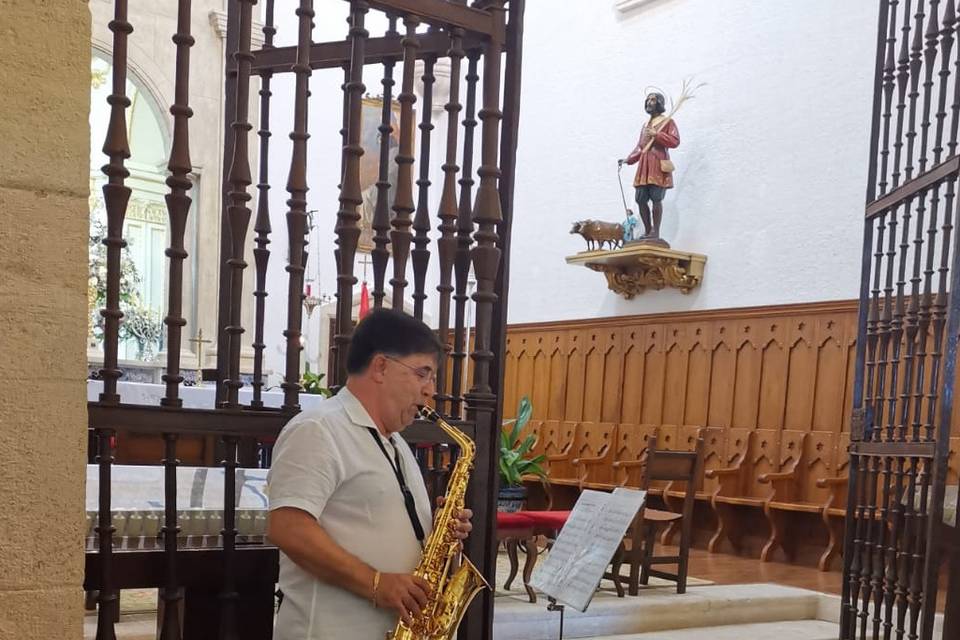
x=631, y=445
x=765, y=459
x=668, y=437
x=820, y=462
x=714, y=445
x=740, y=454
x=793, y=459
x=559, y=439
x=550, y=437
x=596, y=439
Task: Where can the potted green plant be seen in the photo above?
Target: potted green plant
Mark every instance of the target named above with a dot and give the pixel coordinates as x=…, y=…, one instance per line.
x=313, y=383
x=516, y=461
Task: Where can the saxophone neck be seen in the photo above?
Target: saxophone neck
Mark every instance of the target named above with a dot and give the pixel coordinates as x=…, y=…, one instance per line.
x=466, y=444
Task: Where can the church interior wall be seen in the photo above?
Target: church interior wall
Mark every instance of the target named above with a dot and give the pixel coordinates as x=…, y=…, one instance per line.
x=43, y=229
x=771, y=167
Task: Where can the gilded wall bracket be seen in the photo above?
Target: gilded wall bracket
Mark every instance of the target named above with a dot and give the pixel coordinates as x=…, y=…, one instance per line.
x=638, y=266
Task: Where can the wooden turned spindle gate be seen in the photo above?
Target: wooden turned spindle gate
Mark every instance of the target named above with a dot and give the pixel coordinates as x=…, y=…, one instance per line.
x=906, y=356
x=228, y=592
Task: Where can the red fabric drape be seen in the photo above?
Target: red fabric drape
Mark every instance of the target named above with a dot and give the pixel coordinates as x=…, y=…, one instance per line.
x=364, y=302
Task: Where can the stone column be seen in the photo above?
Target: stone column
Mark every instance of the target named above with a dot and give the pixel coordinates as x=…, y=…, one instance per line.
x=43, y=256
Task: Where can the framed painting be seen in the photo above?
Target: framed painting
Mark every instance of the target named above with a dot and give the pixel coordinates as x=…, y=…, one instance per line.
x=371, y=113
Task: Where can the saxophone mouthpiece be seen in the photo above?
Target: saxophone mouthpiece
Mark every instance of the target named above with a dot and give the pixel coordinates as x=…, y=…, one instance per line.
x=427, y=413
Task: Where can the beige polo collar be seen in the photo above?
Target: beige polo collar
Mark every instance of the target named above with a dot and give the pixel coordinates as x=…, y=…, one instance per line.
x=355, y=410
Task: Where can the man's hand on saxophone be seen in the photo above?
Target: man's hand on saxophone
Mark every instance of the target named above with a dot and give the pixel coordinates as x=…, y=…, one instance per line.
x=403, y=593
x=463, y=526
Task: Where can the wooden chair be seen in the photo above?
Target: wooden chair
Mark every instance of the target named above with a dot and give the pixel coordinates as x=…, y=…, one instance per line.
x=638, y=546
x=675, y=492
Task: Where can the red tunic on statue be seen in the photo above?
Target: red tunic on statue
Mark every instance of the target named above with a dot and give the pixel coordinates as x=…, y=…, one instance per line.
x=649, y=170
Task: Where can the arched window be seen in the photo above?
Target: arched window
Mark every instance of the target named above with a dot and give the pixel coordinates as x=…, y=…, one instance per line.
x=146, y=226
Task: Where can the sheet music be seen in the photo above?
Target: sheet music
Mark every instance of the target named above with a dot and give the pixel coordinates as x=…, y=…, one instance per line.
x=582, y=552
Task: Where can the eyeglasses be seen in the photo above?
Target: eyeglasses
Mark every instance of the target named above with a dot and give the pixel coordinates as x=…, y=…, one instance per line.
x=426, y=374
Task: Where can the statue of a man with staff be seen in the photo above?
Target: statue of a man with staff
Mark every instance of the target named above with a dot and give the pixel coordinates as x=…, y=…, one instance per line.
x=654, y=167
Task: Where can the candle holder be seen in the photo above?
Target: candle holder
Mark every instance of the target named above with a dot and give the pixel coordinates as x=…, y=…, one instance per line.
x=311, y=302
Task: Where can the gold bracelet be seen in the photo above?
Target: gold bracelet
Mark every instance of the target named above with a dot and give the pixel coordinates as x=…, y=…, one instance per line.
x=376, y=585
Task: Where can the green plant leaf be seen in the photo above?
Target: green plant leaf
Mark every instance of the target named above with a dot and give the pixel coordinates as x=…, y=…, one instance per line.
x=514, y=434
x=514, y=460
x=524, y=411
x=504, y=441
x=527, y=444
x=313, y=383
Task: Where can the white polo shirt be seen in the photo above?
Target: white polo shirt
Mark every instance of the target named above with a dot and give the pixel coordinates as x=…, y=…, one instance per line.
x=326, y=463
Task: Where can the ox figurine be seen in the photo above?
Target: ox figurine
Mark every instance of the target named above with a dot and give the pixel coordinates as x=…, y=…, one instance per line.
x=597, y=232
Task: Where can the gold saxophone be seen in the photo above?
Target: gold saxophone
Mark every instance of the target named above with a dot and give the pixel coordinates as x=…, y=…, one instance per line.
x=452, y=587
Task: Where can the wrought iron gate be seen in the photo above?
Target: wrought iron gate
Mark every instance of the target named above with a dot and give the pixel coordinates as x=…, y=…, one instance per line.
x=908, y=326
x=228, y=592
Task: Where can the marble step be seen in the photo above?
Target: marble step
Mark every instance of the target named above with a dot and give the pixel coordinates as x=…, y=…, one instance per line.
x=789, y=630
x=660, y=610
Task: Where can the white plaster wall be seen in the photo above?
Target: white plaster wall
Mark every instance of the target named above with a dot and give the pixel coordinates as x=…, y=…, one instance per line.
x=771, y=169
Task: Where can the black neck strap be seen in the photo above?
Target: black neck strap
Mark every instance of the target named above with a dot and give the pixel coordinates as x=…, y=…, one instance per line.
x=408, y=500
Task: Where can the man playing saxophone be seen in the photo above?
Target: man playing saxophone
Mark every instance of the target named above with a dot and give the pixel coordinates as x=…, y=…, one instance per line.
x=348, y=507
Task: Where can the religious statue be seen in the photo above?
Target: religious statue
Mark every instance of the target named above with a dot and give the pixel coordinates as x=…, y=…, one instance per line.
x=654, y=167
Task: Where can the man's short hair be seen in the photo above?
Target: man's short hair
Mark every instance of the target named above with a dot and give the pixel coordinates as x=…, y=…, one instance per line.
x=391, y=333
